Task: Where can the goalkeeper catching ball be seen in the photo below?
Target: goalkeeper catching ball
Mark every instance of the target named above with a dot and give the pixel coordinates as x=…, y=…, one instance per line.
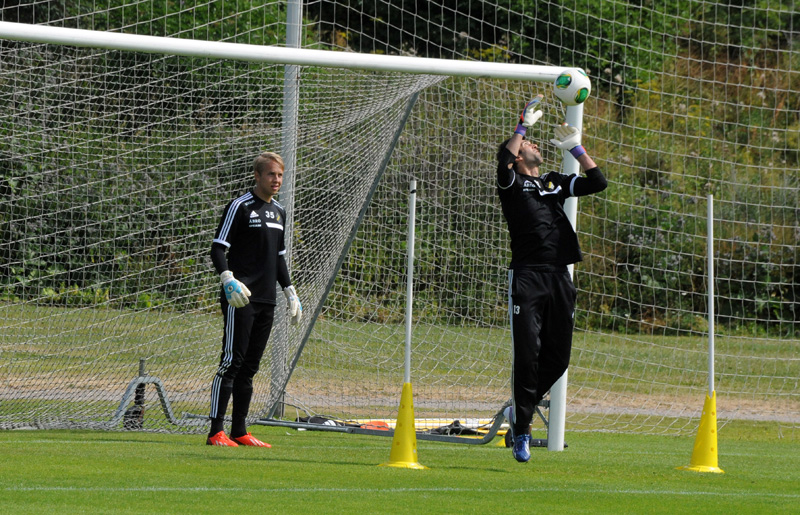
x=248, y=254
x=543, y=242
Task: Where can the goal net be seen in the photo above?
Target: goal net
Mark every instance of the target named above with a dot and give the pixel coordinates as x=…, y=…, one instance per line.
x=118, y=165
x=115, y=166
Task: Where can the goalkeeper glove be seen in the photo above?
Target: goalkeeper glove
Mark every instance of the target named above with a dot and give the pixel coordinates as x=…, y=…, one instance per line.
x=529, y=115
x=293, y=303
x=235, y=291
x=568, y=138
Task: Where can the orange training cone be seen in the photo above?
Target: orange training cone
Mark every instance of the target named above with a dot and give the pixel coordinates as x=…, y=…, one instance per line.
x=704, y=455
x=404, y=441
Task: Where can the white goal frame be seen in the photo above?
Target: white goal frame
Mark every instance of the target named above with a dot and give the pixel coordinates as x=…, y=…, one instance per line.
x=293, y=56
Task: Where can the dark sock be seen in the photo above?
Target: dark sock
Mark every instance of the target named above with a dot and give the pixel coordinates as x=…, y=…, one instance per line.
x=238, y=428
x=217, y=425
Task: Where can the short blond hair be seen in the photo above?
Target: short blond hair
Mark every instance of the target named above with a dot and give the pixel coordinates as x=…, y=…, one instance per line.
x=263, y=159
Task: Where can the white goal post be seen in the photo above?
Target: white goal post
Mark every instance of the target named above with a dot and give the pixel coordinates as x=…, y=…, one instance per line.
x=274, y=54
x=328, y=59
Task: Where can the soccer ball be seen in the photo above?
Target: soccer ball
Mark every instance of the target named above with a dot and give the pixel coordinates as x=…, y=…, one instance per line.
x=572, y=87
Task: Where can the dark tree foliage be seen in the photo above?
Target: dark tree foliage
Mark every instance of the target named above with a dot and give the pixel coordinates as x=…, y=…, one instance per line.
x=429, y=29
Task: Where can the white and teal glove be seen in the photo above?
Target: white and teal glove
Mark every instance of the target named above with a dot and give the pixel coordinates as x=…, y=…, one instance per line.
x=235, y=291
x=294, y=307
x=529, y=115
x=568, y=138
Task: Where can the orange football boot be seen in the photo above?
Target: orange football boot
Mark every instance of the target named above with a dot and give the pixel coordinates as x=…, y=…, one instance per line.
x=222, y=440
x=251, y=441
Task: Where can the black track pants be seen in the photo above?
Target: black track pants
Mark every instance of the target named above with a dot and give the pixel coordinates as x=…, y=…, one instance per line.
x=246, y=331
x=541, y=304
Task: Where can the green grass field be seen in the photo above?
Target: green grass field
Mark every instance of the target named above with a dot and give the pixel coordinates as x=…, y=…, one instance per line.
x=317, y=472
x=80, y=348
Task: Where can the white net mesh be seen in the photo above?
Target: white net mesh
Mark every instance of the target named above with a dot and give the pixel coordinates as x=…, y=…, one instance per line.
x=115, y=167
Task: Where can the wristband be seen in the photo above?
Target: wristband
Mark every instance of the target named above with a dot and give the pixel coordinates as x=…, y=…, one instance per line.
x=577, y=151
x=521, y=129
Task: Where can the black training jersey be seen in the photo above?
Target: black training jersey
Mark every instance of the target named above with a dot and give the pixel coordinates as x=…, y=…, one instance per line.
x=541, y=233
x=253, y=229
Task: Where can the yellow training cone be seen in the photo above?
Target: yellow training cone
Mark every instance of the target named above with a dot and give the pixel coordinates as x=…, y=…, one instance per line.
x=704, y=455
x=404, y=441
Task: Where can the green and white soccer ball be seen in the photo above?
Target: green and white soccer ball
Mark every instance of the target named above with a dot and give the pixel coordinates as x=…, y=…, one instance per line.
x=572, y=87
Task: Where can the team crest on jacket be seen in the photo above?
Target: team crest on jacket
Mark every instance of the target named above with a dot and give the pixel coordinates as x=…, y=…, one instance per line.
x=540, y=187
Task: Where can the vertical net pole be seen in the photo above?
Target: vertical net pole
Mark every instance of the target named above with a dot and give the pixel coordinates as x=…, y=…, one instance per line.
x=704, y=454
x=558, y=392
x=710, y=223
x=412, y=207
x=289, y=115
x=291, y=95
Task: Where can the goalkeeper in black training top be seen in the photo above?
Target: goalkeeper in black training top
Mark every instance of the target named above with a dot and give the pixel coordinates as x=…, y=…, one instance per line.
x=541, y=295
x=251, y=231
